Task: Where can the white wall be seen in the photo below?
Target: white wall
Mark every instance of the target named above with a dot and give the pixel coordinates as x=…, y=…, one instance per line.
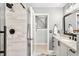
x=55, y=17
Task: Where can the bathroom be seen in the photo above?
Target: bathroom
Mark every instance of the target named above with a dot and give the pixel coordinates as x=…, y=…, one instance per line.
x=39, y=29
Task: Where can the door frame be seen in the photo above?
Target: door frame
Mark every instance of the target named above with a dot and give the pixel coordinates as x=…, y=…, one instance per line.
x=35, y=29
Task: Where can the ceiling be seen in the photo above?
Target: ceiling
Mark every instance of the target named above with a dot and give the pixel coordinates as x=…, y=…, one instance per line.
x=47, y=4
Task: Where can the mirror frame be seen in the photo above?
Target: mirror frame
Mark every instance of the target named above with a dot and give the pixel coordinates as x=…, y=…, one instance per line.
x=70, y=34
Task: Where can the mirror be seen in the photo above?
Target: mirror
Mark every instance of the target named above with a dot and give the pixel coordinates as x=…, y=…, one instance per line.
x=70, y=24
x=70, y=28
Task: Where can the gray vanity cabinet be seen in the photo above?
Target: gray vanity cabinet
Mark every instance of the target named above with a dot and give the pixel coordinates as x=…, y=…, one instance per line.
x=63, y=49
x=60, y=49
x=56, y=47
x=66, y=51
x=77, y=44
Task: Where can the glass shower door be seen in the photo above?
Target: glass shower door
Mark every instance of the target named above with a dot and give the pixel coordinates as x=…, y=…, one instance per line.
x=2, y=30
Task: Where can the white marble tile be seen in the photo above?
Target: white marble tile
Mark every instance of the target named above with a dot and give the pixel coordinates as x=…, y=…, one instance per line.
x=16, y=43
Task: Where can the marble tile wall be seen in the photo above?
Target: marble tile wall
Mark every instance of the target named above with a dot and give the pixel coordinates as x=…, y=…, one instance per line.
x=16, y=19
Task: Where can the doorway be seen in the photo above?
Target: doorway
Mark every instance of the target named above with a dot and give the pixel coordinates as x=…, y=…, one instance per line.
x=41, y=36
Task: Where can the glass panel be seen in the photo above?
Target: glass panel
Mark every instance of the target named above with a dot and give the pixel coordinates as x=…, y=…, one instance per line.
x=41, y=21
x=2, y=17
x=1, y=42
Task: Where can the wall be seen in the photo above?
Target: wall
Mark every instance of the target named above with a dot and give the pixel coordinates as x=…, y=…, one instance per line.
x=17, y=19
x=55, y=17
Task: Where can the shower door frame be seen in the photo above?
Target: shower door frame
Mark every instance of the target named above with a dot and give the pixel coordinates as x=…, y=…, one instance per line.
x=35, y=31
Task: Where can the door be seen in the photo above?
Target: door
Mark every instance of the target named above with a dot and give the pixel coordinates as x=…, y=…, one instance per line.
x=40, y=34
x=2, y=30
